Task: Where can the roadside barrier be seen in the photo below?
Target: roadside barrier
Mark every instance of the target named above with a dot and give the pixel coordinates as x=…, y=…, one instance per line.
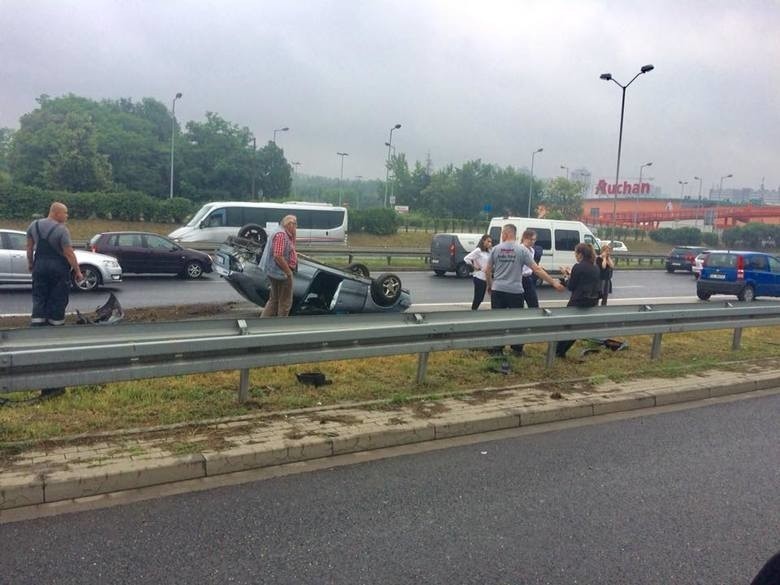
x=49, y=357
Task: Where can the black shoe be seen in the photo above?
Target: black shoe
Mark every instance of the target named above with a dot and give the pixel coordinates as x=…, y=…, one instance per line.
x=52, y=392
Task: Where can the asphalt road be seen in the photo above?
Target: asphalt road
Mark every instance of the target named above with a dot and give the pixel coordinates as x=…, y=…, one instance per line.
x=682, y=497
x=426, y=289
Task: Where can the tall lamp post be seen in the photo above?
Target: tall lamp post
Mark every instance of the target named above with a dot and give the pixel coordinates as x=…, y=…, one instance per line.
x=720, y=190
x=531, y=185
x=341, y=175
x=682, y=188
x=389, y=144
x=567, y=171
x=254, y=166
x=636, y=199
x=608, y=77
x=698, y=207
x=285, y=129
x=173, y=134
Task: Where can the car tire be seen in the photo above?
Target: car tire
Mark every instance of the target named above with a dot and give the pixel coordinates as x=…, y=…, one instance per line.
x=359, y=270
x=669, y=269
x=462, y=270
x=440, y=272
x=748, y=294
x=193, y=270
x=92, y=279
x=385, y=289
x=254, y=232
x=703, y=295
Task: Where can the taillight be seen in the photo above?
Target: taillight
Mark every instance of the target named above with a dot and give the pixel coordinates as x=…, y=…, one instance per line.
x=740, y=268
x=94, y=248
x=452, y=249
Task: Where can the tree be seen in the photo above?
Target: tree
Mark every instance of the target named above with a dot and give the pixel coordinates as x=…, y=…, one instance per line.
x=274, y=172
x=563, y=199
x=6, y=135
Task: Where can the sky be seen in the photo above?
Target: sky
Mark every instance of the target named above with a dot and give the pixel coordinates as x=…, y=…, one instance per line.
x=492, y=80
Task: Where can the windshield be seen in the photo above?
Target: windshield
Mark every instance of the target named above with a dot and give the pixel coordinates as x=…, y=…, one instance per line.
x=196, y=219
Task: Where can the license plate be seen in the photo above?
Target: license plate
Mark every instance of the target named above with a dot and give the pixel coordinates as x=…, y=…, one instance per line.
x=675, y=263
x=434, y=260
x=718, y=276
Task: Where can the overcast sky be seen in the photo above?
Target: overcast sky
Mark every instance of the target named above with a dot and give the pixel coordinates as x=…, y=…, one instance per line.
x=493, y=80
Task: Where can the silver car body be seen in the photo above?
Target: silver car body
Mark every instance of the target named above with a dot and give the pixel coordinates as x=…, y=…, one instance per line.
x=97, y=268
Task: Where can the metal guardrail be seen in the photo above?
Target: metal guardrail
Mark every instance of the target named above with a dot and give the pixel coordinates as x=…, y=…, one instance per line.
x=75, y=355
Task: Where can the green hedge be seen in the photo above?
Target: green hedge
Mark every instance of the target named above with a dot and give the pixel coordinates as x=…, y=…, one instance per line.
x=376, y=220
x=23, y=202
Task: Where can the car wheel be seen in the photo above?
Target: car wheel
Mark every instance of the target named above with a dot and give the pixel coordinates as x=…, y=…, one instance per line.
x=359, y=270
x=91, y=280
x=462, y=270
x=252, y=231
x=669, y=269
x=385, y=289
x=193, y=269
x=703, y=296
x=748, y=294
x=439, y=272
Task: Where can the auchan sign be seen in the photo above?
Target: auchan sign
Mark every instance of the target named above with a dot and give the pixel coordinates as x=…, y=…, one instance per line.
x=625, y=188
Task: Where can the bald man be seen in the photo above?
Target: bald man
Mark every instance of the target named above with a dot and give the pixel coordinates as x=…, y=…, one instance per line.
x=50, y=258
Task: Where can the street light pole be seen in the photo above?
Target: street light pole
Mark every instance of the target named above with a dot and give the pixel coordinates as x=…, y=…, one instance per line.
x=341, y=176
x=389, y=144
x=698, y=208
x=636, y=199
x=608, y=77
x=173, y=135
x=567, y=171
x=720, y=191
x=531, y=185
x=285, y=129
x=682, y=188
x=254, y=165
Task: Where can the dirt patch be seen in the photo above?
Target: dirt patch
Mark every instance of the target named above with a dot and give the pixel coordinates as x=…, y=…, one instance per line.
x=484, y=396
x=344, y=419
x=428, y=409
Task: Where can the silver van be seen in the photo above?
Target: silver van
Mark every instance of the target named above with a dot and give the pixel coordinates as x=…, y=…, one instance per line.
x=448, y=251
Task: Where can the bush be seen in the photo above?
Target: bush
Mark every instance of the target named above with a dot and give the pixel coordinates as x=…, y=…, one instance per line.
x=710, y=239
x=686, y=236
x=377, y=220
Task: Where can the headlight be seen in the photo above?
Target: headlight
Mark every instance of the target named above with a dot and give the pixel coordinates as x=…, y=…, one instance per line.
x=110, y=263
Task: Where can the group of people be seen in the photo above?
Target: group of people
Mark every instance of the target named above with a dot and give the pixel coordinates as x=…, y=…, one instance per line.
x=508, y=273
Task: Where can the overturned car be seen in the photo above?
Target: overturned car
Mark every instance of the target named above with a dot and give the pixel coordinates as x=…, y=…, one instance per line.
x=317, y=288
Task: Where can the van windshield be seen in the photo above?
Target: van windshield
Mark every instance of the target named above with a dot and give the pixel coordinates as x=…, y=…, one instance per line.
x=196, y=219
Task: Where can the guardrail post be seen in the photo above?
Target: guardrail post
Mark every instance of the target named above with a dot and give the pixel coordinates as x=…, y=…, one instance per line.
x=243, y=386
x=655, y=350
x=550, y=359
x=736, y=340
x=388, y=260
x=422, y=366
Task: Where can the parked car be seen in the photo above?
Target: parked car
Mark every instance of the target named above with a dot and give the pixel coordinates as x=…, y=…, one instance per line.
x=683, y=258
x=698, y=262
x=448, y=251
x=615, y=245
x=146, y=253
x=745, y=274
x=317, y=288
x=97, y=269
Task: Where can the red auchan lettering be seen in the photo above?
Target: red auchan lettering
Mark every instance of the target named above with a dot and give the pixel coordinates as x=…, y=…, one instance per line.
x=626, y=188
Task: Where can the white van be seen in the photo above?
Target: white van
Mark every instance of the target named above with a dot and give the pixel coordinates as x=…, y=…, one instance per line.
x=318, y=223
x=558, y=238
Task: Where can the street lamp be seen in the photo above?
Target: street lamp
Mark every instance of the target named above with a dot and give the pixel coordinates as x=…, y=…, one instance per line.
x=389, y=144
x=341, y=176
x=531, y=186
x=567, y=171
x=254, y=165
x=682, y=188
x=698, y=208
x=608, y=77
x=285, y=129
x=720, y=191
x=636, y=199
x=173, y=134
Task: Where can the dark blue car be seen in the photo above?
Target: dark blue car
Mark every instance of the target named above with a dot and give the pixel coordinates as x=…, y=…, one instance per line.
x=746, y=275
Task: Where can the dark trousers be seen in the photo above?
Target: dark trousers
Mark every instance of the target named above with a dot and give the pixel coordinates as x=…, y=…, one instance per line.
x=479, y=292
x=50, y=291
x=505, y=300
x=606, y=288
x=529, y=292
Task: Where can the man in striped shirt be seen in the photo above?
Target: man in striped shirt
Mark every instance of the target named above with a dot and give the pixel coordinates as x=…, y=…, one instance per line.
x=280, y=265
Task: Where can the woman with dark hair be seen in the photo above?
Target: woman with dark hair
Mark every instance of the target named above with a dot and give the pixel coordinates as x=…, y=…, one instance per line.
x=478, y=259
x=584, y=282
x=606, y=266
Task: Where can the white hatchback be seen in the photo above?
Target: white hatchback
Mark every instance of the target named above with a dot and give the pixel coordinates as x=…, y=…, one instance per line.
x=615, y=245
x=98, y=269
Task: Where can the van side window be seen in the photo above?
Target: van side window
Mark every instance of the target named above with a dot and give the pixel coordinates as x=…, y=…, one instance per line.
x=495, y=234
x=235, y=217
x=543, y=237
x=255, y=215
x=326, y=220
x=217, y=218
x=566, y=239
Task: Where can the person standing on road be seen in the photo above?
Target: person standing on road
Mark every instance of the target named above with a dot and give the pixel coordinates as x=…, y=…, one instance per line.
x=505, y=276
x=528, y=239
x=606, y=265
x=583, y=280
x=478, y=259
x=280, y=265
x=50, y=259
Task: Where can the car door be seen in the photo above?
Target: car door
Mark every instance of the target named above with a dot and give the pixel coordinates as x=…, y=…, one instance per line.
x=774, y=271
x=129, y=251
x=164, y=256
x=757, y=271
x=13, y=258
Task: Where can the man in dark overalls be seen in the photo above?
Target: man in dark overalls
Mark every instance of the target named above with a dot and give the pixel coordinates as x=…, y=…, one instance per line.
x=50, y=259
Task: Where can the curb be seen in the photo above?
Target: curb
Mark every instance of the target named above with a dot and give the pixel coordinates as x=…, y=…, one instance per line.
x=19, y=490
